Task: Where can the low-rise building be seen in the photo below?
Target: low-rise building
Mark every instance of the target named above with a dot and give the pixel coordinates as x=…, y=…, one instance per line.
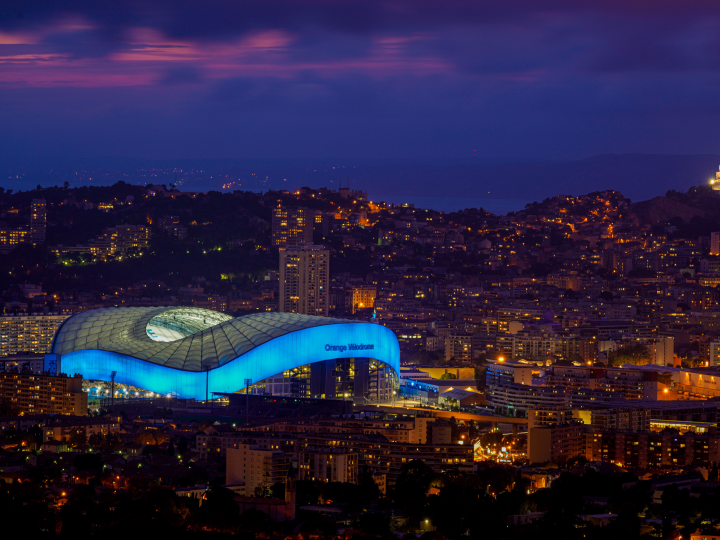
x=60, y=428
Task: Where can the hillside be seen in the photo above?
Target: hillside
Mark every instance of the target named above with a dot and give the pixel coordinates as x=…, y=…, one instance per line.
x=697, y=203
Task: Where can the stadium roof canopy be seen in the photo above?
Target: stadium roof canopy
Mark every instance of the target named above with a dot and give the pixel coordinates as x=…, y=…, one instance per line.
x=167, y=349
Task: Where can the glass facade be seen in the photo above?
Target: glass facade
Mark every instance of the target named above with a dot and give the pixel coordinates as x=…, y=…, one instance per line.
x=362, y=380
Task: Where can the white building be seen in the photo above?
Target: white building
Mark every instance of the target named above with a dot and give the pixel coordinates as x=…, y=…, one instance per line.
x=256, y=467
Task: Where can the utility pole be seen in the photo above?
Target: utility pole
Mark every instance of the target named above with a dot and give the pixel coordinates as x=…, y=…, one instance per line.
x=248, y=382
x=112, y=387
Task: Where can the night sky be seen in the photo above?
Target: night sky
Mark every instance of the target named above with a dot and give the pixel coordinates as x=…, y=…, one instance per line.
x=499, y=80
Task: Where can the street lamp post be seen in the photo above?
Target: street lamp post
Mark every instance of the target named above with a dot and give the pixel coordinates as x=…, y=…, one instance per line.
x=248, y=382
x=207, y=384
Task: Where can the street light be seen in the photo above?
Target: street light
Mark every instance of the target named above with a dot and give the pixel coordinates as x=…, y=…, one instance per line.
x=248, y=382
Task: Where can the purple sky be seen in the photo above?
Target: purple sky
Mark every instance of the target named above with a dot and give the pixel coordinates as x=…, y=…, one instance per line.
x=398, y=78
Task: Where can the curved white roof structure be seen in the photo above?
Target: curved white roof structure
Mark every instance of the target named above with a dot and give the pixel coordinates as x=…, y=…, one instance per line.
x=180, y=350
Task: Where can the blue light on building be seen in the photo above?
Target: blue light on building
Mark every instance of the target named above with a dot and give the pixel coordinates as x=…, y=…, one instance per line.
x=206, y=347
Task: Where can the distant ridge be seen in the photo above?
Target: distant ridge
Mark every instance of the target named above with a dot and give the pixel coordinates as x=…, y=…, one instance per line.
x=637, y=176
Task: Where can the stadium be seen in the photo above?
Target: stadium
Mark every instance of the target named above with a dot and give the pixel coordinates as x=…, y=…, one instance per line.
x=193, y=353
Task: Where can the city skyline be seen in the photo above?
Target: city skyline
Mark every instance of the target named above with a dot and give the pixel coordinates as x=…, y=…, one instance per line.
x=360, y=270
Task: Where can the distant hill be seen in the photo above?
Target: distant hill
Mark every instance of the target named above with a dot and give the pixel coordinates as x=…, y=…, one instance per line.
x=699, y=205
x=661, y=208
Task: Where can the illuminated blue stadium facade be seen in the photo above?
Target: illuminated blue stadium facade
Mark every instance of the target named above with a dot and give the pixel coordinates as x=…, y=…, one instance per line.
x=178, y=351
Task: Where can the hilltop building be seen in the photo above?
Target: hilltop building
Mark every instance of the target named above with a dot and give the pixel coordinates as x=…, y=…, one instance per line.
x=113, y=241
x=33, y=233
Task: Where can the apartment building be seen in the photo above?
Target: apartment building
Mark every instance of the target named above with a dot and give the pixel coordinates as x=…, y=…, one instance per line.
x=328, y=465
x=113, y=241
x=631, y=449
x=534, y=346
x=283, y=435
x=363, y=297
x=256, y=467
x=381, y=457
x=459, y=347
x=509, y=372
x=304, y=280
x=44, y=394
x=620, y=419
x=220, y=442
x=292, y=226
x=632, y=383
x=539, y=344
x=561, y=443
x=33, y=233
x=374, y=452
x=28, y=334
x=171, y=225
x=652, y=449
x=38, y=221
x=516, y=400
x=59, y=429
x=555, y=443
x=23, y=363
x=506, y=315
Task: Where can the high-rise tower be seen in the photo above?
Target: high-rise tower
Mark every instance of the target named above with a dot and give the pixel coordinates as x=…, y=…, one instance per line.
x=292, y=226
x=38, y=222
x=304, y=280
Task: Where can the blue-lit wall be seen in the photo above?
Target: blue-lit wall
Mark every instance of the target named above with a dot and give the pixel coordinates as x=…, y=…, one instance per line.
x=282, y=353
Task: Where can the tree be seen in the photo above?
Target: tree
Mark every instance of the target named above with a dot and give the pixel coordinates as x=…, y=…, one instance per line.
x=171, y=449
x=374, y=523
x=448, y=376
x=36, y=433
x=7, y=408
x=78, y=437
x=145, y=437
x=182, y=445
x=112, y=442
x=369, y=490
x=277, y=490
x=151, y=436
x=219, y=511
x=634, y=353
x=96, y=440
x=410, y=489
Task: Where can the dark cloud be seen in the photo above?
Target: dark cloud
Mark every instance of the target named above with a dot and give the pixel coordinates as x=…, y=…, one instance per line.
x=221, y=18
